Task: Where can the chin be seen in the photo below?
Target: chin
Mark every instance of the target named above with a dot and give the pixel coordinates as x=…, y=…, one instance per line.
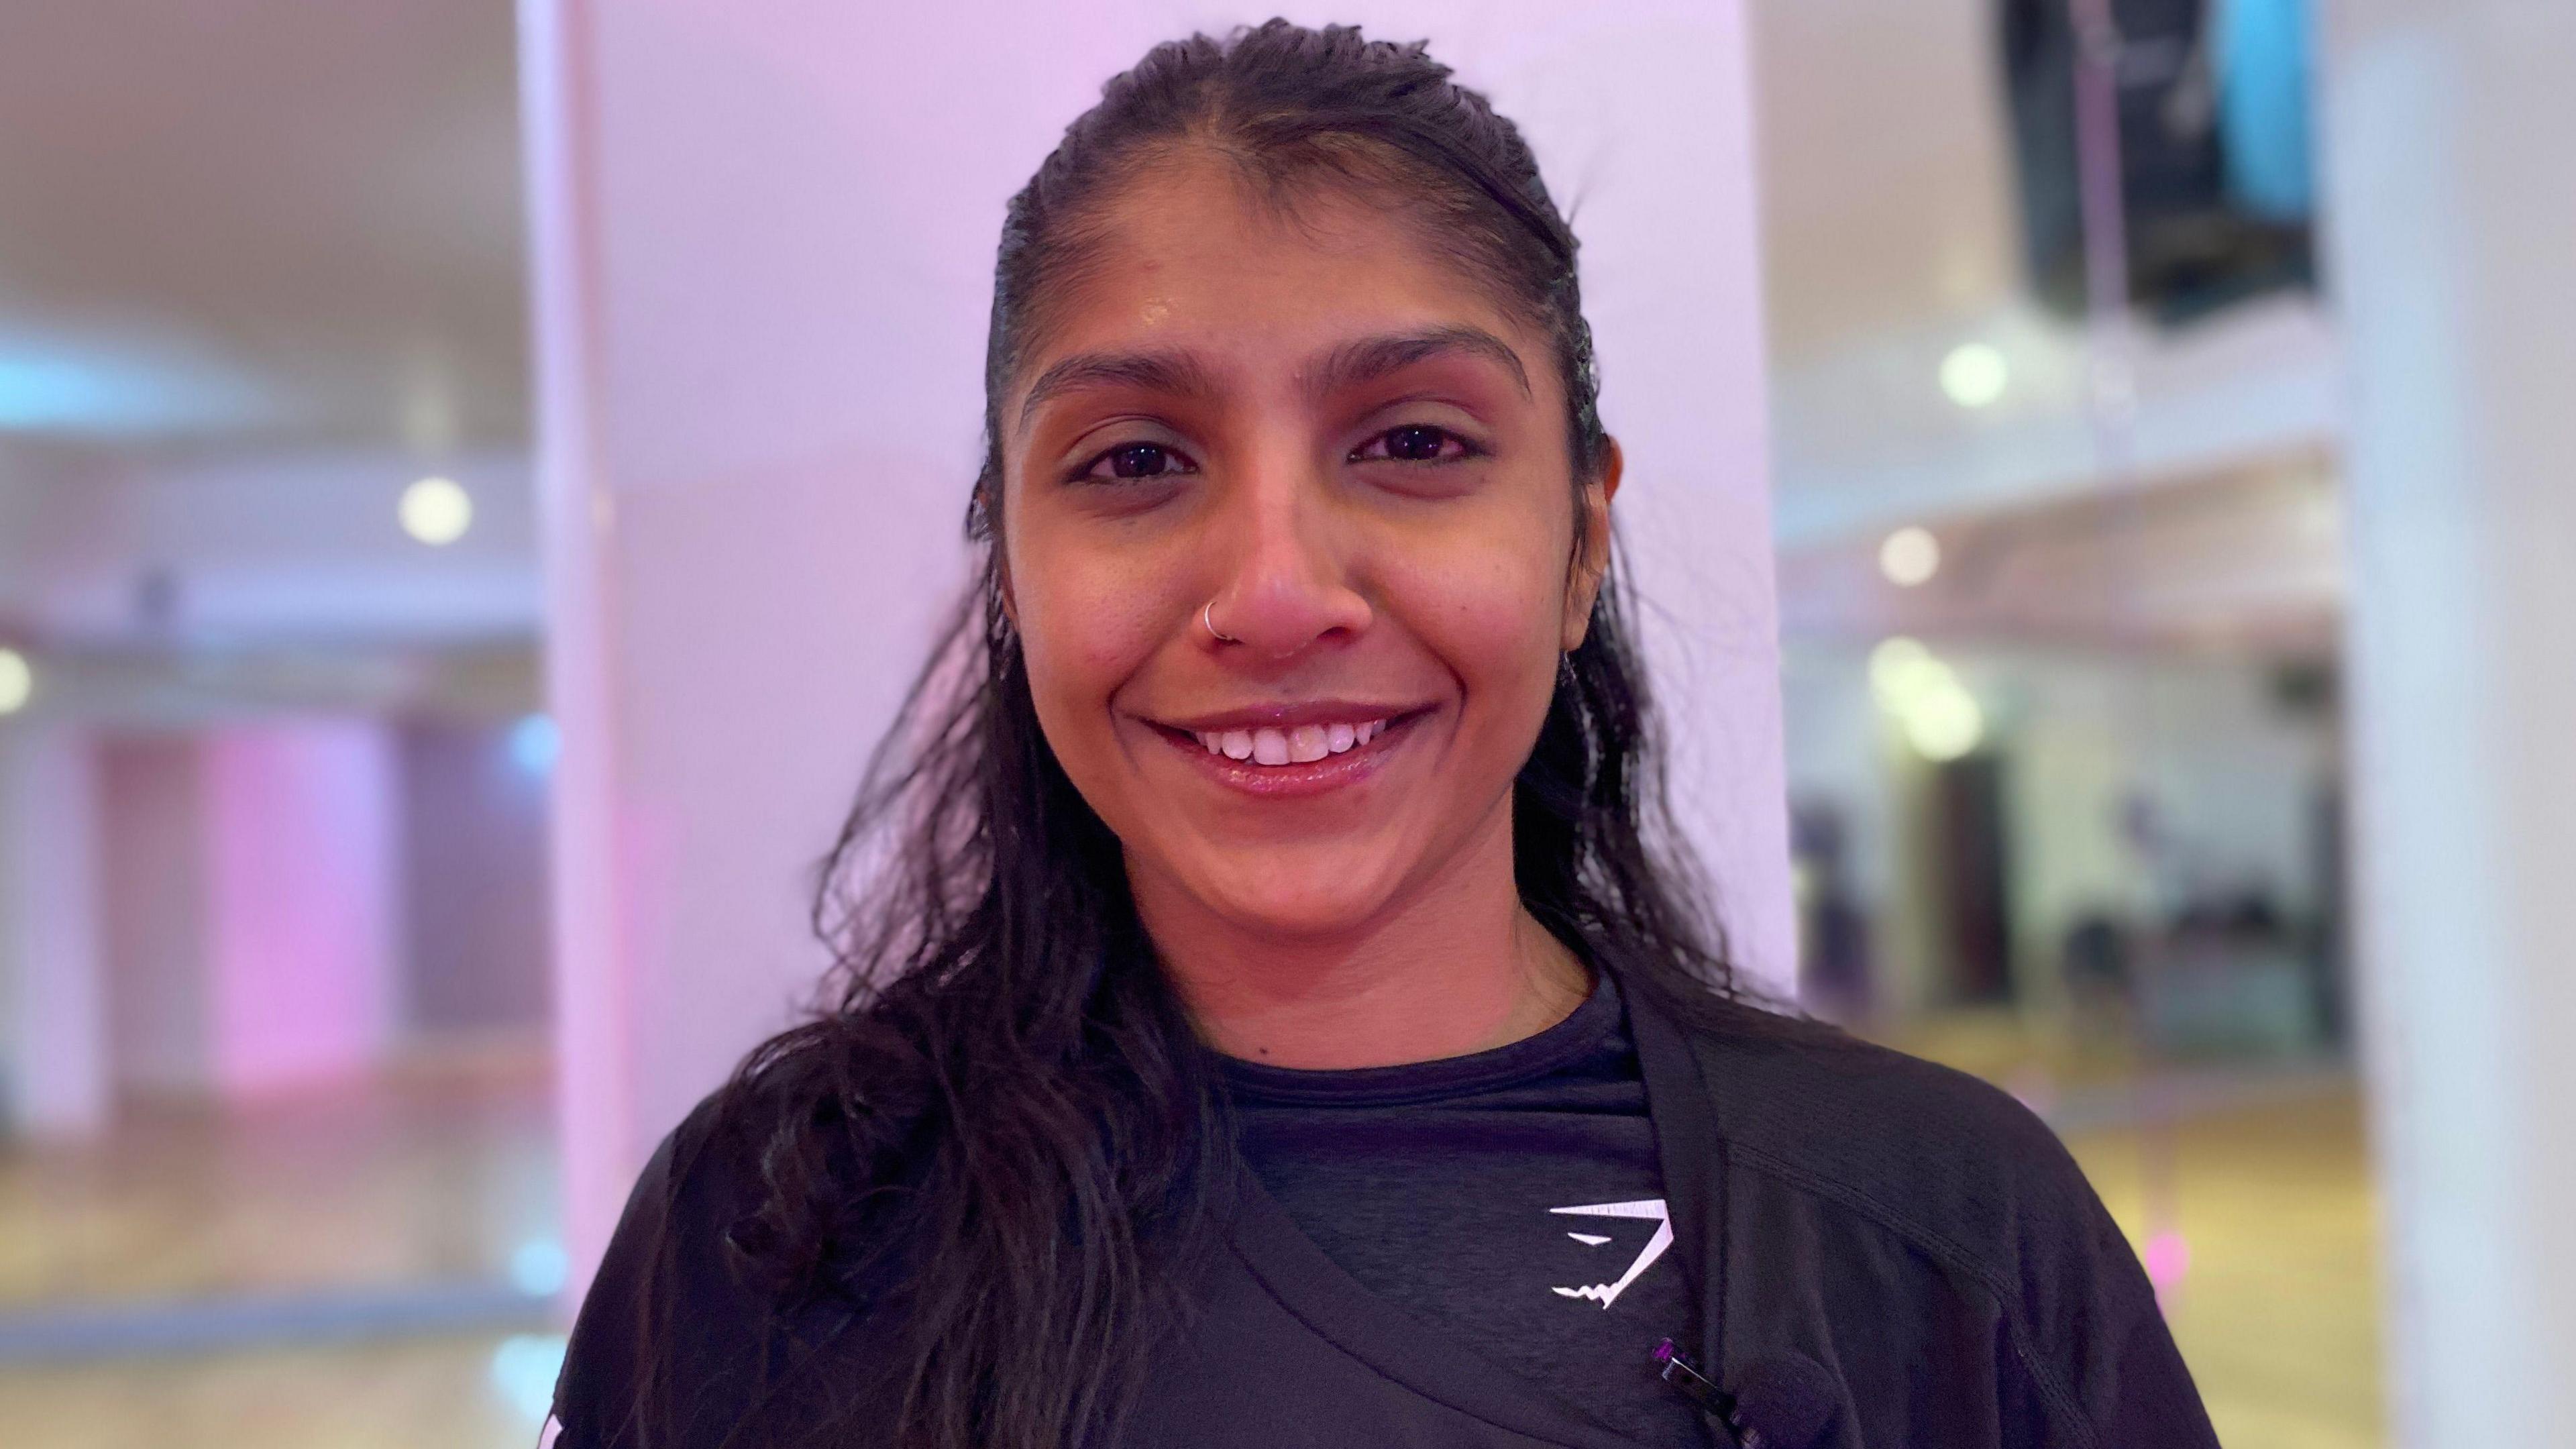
x=1340, y=902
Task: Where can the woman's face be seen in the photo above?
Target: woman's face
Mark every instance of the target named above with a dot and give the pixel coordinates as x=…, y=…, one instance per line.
x=1334, y=447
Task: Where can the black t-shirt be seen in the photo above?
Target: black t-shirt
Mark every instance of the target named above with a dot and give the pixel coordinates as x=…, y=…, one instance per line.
x=1915, y=1239
x=1510, y=1199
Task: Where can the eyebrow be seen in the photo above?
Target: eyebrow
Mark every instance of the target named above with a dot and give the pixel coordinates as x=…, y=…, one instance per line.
x=1371, y=358
x=1350, y=364
x=1172, y=372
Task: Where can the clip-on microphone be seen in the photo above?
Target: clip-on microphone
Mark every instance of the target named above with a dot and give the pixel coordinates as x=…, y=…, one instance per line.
x=1779, y=1403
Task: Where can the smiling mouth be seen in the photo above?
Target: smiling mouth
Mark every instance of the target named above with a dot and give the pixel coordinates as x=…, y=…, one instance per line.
x=1296, y=745
x=1282, y=752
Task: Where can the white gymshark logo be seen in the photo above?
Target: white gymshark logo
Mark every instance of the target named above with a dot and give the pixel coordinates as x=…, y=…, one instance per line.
x=1652, y=1207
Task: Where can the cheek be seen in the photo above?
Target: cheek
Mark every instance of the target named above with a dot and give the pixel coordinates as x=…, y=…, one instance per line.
x=1494, y=619
x=1087, y=624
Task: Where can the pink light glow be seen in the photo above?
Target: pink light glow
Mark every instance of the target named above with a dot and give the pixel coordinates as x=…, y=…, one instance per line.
x=299, y=822
x=2168, y=1259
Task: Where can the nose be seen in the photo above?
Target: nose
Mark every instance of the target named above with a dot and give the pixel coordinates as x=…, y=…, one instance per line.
x=1287, y=582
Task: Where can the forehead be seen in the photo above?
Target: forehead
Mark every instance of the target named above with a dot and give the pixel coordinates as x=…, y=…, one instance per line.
x=1187, y=256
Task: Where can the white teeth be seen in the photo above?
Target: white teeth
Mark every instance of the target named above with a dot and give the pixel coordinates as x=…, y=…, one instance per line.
x=1269, y=747
x=1301, y=744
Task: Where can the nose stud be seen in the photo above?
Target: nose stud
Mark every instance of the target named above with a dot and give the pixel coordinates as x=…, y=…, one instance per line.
x=1206, y=617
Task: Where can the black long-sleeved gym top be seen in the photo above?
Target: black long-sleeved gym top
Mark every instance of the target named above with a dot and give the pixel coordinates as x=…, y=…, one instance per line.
x=1915, y=1234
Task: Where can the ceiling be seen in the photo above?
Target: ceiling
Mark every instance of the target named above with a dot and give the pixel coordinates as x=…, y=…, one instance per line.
x=258, y=224
x=2248, y=560
x=248, y=240
x=274, y=223
x=1891, y=239
x=1885, y=185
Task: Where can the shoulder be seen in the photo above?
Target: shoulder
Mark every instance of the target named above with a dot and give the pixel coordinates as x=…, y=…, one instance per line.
x=701, y=1180
x=1977, y=1189
x=667, y=1311
x=1943, y=1157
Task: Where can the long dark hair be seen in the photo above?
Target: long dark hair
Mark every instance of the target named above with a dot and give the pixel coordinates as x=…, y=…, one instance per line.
x=1000, y=1080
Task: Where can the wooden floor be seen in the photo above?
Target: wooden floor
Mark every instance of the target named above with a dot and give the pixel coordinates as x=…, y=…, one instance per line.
x=415, y=1394
x=2278, y=1308
x=441, y=1170
x=2267, y=1185
x=2277, y=1311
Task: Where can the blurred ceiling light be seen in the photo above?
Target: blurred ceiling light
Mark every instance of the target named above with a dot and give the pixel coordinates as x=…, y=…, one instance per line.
x=539, y=1267
x=17, y=681
x=535, y=743
x=1935, y=712
x=1909, y=557
x=43, y=392
x=86, y=387
x=1974, y=375
x=1899, y=667
x=437, y=511
x=1944, y=724
x=524, y=1369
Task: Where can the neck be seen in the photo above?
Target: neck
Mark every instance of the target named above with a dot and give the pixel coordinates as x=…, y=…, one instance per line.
x=1455, y=967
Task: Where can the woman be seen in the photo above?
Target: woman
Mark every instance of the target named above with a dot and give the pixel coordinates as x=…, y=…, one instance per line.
x=1276, y=1021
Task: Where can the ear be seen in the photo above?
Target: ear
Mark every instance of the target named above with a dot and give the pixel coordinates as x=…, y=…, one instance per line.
x=1592, y=562
x=1001, y=557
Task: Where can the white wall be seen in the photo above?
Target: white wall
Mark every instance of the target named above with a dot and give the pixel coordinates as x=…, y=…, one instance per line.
x=764, y=239
x=2231, y=778
x=2454, y=208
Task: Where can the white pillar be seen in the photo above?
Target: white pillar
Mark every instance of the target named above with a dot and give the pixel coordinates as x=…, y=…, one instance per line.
x=51, y=958
x=2453, y=208
x=763, y=249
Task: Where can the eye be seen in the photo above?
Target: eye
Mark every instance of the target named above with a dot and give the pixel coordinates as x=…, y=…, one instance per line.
x=1416, y=443
x=1135, y=462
